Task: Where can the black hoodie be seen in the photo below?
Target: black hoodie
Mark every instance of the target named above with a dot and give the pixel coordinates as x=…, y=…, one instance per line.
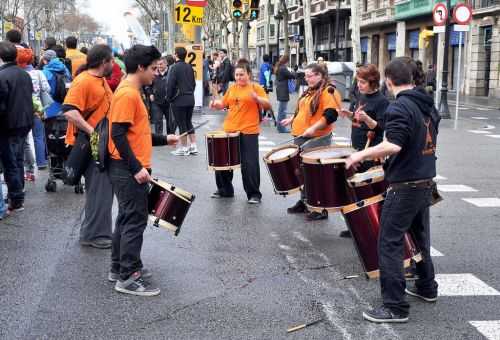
x=412, y=123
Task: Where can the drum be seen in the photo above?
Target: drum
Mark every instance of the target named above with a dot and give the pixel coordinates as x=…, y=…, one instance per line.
x=363, y=220
x=168, y=205
x=283, y=164
x=223, y=150
x=325, y=178
x=369, y=183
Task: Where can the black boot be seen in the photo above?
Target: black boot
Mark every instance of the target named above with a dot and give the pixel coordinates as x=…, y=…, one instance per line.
x=316, y=216
x=298, y=208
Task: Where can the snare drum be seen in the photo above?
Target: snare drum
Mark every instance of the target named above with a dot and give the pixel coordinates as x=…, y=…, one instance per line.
x=223, y=150
x=168, y=205
x=283, y=164
x=363, y=220
x=369, y=183
x=325, y=178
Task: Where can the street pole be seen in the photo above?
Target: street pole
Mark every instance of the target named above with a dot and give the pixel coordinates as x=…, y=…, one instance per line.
x=458, y=77
x=278, y=18
x=444, y=110
x=246, y=25
x=337, y=37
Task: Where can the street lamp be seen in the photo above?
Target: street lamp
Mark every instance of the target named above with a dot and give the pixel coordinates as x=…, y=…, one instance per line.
x=444, y=110
x=278, y=17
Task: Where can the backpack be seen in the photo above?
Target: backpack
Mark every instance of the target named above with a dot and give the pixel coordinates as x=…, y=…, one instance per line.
x=61, y=90
x=99, y=144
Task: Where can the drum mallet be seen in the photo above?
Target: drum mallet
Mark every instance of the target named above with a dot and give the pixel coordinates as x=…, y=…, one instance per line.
x=299, y=327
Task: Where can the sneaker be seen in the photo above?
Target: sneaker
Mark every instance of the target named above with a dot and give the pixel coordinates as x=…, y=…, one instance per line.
x=145, y=273
x=254, y=200
x=135, y=285
x=5, y=215
x=298, y=208
x=43, y=167
x=427, y=298
x=193, y=150
x=181, y=152
x=29, y=177
x=316, y=216
x=345, y=234
x=100, y=243
x=15, y=207
x=219, y=195
x=383, y=314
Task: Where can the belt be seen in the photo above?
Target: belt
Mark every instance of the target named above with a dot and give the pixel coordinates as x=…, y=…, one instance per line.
x=420, y=184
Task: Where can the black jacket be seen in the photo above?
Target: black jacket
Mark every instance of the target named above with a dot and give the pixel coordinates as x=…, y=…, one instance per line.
x=181, y=84
x=160, y=89
x=375, y=105
x=282, y=77
x=412, y=123
x=16, y=103
x=225, y=72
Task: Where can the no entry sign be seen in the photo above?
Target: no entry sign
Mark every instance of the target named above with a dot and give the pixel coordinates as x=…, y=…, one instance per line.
x=462, y=14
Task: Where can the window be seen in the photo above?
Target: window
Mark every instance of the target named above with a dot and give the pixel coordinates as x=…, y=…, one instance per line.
x=271, y=9
x=271, y=30
x=365, y=5
x=323, y=33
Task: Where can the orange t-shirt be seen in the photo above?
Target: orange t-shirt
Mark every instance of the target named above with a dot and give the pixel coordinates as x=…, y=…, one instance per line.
x=304, y=119
x=127, y=107
x=90, y=95
x=77, y=59
x=243, y=115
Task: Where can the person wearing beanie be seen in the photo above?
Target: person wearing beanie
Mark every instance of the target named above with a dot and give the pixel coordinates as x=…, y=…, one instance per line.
x=54, y=67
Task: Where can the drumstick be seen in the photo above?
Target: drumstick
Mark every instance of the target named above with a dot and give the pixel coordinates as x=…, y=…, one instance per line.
x=299, y=327
x=370, y=135
x=193, y=129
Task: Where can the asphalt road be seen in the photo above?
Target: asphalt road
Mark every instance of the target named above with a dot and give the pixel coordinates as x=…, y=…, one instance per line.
x=239, y=271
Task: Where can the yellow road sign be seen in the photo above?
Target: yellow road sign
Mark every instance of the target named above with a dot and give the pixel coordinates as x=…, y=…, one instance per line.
x=189, y=15
x=194, y=58
x=38, y=36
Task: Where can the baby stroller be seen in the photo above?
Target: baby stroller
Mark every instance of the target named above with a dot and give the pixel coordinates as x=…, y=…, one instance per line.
x=55, y=134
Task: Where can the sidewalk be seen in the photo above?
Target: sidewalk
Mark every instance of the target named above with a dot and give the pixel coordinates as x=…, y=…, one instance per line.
x=486, y=102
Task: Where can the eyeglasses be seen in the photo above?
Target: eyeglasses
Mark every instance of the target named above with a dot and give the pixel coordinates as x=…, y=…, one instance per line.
x=311, y=75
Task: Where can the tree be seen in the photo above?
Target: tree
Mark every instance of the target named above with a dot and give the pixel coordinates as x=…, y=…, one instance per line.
x=356, y=42
x=308, y=34
x=286, y=15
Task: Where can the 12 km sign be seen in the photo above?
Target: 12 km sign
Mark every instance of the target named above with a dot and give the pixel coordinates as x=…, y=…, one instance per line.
x=189, y=15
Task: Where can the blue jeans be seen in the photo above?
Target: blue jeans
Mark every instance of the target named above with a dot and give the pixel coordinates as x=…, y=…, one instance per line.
x=282, y=106
x=3, y=208
x=12, y=157
x=39, y=140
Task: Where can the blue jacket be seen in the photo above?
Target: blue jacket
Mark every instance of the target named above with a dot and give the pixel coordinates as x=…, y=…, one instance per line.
x=263, y=79
x=54, y=66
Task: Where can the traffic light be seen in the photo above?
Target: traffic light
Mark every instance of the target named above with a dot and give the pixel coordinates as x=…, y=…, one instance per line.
x=254, y=9
x=237, y=8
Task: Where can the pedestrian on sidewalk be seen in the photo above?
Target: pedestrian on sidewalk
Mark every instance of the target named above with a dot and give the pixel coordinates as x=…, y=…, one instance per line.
x=411, y=129
x=225, y=71
x=180, y=94
x=77, y=58
x=58, y=76
x=130, y=147
x=88, y=101
x=244, y=100
x=317, y=110
x=265, y=73
x=283, y=75
x=16, y=120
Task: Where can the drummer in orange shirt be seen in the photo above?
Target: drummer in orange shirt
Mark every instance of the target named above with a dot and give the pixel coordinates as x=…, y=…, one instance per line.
x=312, y=123
x=244, y=99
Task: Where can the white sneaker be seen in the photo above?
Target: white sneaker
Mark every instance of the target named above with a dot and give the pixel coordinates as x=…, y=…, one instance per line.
x=193, y=150
x=181, y=152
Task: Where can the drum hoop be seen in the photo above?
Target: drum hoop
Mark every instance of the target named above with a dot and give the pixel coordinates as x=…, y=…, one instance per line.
x=221, y=134
x=321, y=209
x=278, y=160
x=361, y=204
x=224, y=168
x=310, y=160
x=178, y=192
x=375, y=274
x=288, y=192
x=162, y=223
x=366, y=182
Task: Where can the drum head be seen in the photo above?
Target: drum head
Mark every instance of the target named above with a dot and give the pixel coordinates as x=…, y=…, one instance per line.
x=221, y=134
x=326, y=153
x=282, y=153
x=373, y=175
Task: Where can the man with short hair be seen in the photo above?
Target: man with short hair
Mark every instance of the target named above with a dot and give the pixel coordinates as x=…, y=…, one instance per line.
x=16, y=120
x=87, y=102
x=411, y=129
x=159, y=105
x=225, y=72
x=50, y=42
x=77, y=58
x=130, y=147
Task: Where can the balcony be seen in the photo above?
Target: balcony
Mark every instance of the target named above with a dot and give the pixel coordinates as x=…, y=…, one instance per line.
x=292, y=4
x=318, y=8
x=377, y=17
x=485, y=6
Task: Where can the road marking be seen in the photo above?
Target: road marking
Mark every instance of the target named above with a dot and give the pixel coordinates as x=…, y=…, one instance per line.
x=463, y=285
x=489, y=329
x=480, y=118
x=266, y=142
x=440, y=178
x=485, y=202
x=488, y=127
x=482, y=109
x=262, y=137
x=455, y=188
x=339, y=138
x=435, y=252
x=265, y=149
x=342, y=143
x=284, y=247
x=479, y=132
x=493, y=136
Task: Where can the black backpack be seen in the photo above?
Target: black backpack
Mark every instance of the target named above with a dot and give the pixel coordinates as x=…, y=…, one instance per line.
x=61, y=90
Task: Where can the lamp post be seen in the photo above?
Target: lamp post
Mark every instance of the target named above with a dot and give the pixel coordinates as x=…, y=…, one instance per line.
x=278, y=17
x=444, y=110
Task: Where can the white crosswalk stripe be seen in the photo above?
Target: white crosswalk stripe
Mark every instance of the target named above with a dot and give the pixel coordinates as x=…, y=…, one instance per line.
x=455, y=188
x=480, y=118
x=266, y=142
x=435, y=252
x=440, y=178
x=489, y=329
x=465, y=284
x=479, y=132
x=484, y=202
x=493, y=136
x=265, y=149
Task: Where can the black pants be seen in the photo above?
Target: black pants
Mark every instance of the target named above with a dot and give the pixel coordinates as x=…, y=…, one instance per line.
x=404, y=210
x=12, y=158
x=131, y=220
x=250, y=169
x=183, y=117
x=157, y=113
